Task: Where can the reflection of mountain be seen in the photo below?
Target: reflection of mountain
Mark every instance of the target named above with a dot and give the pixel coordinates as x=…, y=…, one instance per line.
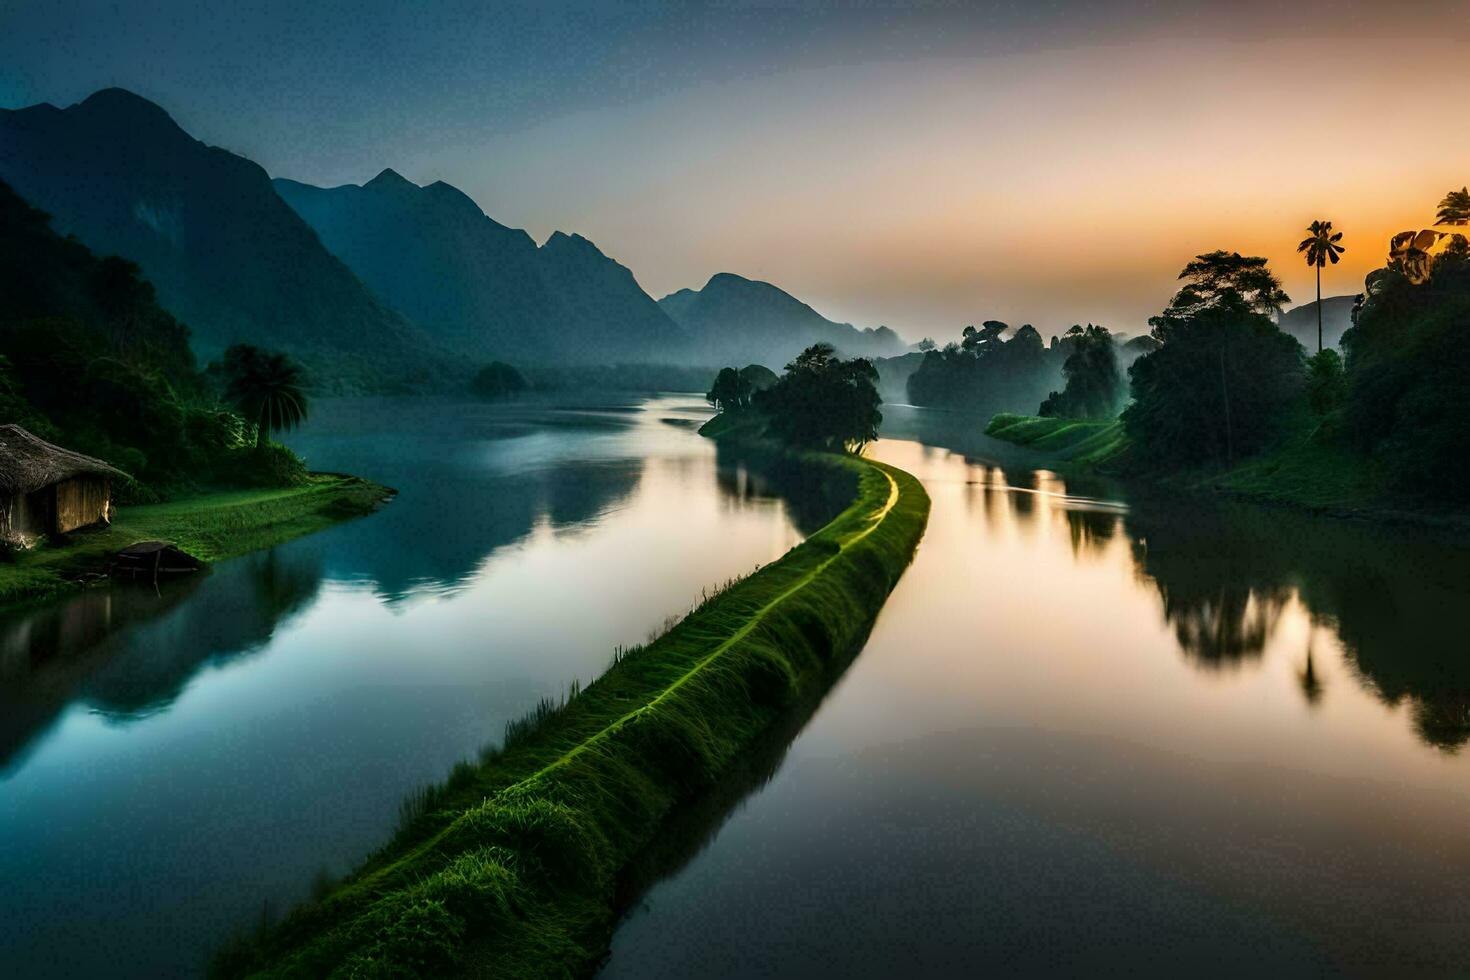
x=1396, y=598
x=470, y=481
x=126, y=651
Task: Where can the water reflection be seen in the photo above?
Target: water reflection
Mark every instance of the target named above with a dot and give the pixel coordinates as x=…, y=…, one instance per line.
x=473, y=479
x=812, y=498
x=1226, y=575
x=1088, y=723
x=1393, y=598
x=128, y=651
x=168, y=761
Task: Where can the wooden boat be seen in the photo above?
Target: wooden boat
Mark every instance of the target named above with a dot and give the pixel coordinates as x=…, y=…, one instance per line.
x=154, y=559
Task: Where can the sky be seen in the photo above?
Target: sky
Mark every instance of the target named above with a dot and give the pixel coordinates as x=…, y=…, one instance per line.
x=923, y=166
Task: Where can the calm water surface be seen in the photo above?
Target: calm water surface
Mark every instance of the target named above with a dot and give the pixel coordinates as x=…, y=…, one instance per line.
x=1092, y=732
x=169, y=763
x=1097, y=735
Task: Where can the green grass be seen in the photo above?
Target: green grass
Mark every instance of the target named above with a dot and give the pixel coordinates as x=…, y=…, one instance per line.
x=1311, y=470
x=1085, y=442
x=211, y=527
x=511, y=867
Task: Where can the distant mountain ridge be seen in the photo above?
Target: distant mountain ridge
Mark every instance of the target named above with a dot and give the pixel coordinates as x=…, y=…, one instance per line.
x=734, y=320
x=481, y=287
x=226, y=254
x=1337, y=317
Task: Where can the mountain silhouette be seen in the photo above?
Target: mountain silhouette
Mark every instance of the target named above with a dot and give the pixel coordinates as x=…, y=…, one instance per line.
x=734, y=320
x=226, y=254
x=1337, y=317
x=481, y=287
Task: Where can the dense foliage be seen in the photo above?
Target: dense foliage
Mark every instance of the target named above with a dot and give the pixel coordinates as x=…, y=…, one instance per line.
x=92, y=362
x=823, y=401
x=265, y=387
x=1225, y=381
x=1408, y=369
x=1095, y=387
x=498, y=380
x=731, y=391
x=987, y=373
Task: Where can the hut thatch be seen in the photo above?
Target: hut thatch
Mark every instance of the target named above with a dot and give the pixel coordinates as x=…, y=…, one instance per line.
x=45, y=489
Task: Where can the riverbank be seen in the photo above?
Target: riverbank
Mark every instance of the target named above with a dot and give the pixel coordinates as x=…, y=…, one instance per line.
x=513, y=865
x=1304, y=474
x=211, y=527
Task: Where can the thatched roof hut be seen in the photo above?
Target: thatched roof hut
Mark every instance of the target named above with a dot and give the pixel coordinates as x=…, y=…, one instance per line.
x=45, y=489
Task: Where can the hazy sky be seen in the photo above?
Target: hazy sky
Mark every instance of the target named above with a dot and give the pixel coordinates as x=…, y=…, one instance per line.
x=925, y=166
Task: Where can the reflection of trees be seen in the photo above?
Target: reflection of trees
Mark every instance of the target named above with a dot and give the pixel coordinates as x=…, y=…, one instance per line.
x=128, y=651
x=1311, y=684
x=812, y=497
x=1222, y=597
x=1396, y=598
x=1090, y=530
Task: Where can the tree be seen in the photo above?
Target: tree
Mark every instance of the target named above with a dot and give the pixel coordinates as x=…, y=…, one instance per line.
x=759, y=376
x=1455, y=208
x=824, y=402
x=266, y=388
x=1326, y=385
x=925, y=345
x=498, y=380
x=1213, y=276
x=1224, y=383
x=1320, y=246
x=1408, y=367
x=730, y=391
x=1094, y=385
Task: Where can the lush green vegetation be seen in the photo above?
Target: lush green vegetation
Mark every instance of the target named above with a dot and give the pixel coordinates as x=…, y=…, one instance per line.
x=1223, y=385
x=1230, y=402
x=211, y=527
x=93, y=363
x=510, y=868
x=1407, y=372
x=1095, y=388
x=823, y=402
x=1087, y=442
x=985, y=372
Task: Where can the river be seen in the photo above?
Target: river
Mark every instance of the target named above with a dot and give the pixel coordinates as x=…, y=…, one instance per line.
x=1092, y=730
x=1100, y=735
x=174, y=766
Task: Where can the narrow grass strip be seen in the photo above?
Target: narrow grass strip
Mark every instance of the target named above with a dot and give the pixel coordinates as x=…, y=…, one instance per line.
x=511, y=867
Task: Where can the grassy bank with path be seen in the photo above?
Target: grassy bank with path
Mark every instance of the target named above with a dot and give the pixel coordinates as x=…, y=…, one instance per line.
x=211, y=527
x=513, y=866
x=1305, y=472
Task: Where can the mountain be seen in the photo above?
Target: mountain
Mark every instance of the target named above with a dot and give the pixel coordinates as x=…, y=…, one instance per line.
x=226, y=254
x=601, y=307
x=481, y=287
x=734, y=320
x=1337, y=316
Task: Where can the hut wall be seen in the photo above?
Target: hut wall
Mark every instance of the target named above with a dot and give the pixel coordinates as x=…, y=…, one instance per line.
x=81, y=501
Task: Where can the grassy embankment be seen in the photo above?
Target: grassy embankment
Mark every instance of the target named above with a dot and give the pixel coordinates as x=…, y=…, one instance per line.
x=211, y=527
x=1077, y=441
x=513, y=866
x=1305, y=471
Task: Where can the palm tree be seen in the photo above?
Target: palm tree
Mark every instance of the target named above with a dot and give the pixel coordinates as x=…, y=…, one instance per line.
x=1455, y=208
x=1321, y=246
x=266, y=388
